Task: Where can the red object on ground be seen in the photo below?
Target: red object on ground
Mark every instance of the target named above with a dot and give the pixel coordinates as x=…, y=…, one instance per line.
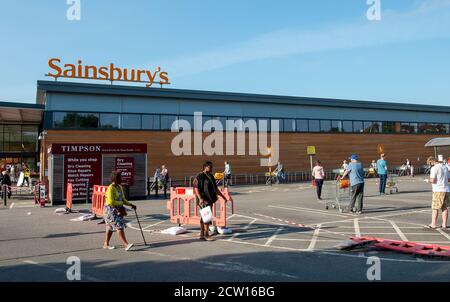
x=183, y=208
x=69, y=197
x=414, y=248
x=98, y=199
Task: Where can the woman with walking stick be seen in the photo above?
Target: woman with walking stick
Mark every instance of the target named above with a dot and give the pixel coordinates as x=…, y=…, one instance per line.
x=115, y=211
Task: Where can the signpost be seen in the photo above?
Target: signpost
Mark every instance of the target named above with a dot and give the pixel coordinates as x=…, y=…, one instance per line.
x=311, y=151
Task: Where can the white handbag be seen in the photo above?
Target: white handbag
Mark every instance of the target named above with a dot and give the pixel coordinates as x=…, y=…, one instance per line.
x=206, y=214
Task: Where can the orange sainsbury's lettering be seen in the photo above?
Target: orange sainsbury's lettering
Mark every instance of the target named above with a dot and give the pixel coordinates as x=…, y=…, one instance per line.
x=110, y=72
x=55, y=67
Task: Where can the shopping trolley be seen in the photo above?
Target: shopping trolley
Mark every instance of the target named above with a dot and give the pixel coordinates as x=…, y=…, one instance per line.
x=337, y=194
x=271, y=177
x=391, y=183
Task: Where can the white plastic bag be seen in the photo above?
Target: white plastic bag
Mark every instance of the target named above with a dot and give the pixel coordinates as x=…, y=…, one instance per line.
x=174, y=231
x=60, y=211
x=224, y=231
x=84, y=217
x=206, y=214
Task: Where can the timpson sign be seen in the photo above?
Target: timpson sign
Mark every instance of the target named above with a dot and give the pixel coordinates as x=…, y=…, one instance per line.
x=96, y=148
x=106, y=73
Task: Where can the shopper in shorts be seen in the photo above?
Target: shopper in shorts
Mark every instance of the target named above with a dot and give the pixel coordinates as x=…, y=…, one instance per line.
x=439, y=177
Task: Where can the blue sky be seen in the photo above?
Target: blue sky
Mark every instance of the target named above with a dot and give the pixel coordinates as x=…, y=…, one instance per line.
x=320, y=48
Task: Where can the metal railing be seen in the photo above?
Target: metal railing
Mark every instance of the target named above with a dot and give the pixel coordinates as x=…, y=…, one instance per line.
x=290, y=177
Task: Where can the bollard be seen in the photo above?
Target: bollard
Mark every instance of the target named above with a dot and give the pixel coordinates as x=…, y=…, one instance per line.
x=148, y=186
x=156, y=186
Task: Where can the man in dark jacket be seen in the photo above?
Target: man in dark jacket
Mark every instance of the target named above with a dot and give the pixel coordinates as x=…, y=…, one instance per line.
x=6, y=180
x=206, y=192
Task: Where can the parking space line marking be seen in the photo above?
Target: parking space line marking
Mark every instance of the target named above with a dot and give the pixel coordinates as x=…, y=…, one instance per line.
x=444, y=234
x=273, y=237
x=307, y=240
x=312, y=244
x=244, y=228
x=399, y=232
x=356, y=226
x=404, y=212
x=155, y=224
x=305, y=210
x=227, y=266
x=83, y=276
x=310, y=209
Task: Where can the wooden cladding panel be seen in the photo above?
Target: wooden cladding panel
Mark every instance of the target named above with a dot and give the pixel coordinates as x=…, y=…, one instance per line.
x=331, y=148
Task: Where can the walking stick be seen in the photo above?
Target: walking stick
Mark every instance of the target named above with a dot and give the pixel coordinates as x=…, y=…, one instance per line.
x=137, y=218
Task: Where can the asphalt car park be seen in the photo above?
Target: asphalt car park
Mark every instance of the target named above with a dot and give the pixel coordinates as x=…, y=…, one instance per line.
x=279, y=233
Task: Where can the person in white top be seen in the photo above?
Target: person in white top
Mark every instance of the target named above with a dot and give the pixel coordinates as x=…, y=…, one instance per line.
x=318, y=176
x=439, y=178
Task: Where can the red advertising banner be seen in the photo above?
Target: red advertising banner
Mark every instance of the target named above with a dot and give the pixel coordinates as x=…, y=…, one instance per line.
x=126, y=166
x=96, y=148
x=80, y=169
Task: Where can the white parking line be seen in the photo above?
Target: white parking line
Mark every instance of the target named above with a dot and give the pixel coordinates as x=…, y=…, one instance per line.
x=399, y=232
x=273, y=237
x=356, y=226
x=244, y=228
x=444, y=234
x=312, y=244
x=83, y=276
x=306, y=210
x=307, y=240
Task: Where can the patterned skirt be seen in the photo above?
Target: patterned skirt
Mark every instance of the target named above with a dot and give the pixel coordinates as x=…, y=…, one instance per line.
x=112, y=218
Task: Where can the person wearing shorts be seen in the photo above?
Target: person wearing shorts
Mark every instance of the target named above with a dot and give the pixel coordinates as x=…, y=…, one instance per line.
x=439, y=177
x=206, y=193
x=114, y=211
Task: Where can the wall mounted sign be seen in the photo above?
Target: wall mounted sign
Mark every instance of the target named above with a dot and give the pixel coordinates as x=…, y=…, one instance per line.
x=106, y=73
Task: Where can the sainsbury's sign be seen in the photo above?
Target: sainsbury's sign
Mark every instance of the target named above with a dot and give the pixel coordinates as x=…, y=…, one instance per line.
x=106, y=73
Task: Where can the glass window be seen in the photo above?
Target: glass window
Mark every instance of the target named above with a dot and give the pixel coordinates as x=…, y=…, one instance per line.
x=406, y=128
x=372, y=127
x=358, y=126
x=289, y=125
x=414, y=127
x=441, y=128
x=150, y=122
x=314, y=126
x=109, y=120
x=388, y=127
x=336, y=126
x=30, y=138
x=131, y=121
x=13, y=138
x=302, y=126
x=325, y=126
x=347, y=126
x=167, y=121
x=189, y=119
x=367, y=127
x=280, y=124
x=64, y=119
x=88, y=120
x=263, y=121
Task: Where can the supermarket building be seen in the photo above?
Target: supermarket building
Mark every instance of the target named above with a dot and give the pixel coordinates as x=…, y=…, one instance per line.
x=88, y=114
